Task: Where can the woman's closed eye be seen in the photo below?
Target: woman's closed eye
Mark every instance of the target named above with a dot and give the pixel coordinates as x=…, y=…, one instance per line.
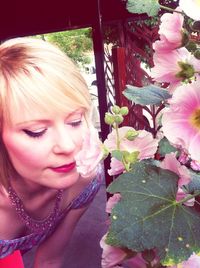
x=34, y=134
x=76, y=123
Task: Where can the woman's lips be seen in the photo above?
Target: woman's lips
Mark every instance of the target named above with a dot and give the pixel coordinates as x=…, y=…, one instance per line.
x=64, y=168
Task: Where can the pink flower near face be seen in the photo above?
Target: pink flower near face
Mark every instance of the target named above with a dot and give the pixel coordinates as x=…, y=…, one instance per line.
x=171, y=27
x=168, y=66
x=144, y=143
x=181, y=122
x=111, y=256
x=191, y=8
x=88, y=158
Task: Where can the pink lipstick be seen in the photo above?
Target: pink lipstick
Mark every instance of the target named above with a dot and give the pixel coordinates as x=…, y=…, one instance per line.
x=64, y=168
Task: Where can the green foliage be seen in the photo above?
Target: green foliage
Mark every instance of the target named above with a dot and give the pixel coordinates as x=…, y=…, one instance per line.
x=151, y=7
x=147, y=95
x=165, y=147
x=75, y=43
x=149, y=217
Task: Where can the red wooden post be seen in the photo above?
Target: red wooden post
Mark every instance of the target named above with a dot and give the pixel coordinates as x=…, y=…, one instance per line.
x=119, y=67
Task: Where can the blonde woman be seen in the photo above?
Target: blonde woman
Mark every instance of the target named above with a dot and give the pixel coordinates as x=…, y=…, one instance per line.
x=45, y=129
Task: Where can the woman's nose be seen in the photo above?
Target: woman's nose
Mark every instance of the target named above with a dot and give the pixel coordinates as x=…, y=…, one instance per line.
x=64, y=143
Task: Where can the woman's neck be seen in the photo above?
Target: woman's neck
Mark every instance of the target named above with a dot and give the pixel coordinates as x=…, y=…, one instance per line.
x=28, y=189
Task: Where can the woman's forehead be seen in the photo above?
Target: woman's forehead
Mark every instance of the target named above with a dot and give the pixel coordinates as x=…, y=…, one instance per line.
x=34, y=113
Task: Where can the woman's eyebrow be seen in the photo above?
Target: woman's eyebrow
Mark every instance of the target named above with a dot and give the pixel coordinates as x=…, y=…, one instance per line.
x=39, y=120
x=77, y=111
x=32, y=122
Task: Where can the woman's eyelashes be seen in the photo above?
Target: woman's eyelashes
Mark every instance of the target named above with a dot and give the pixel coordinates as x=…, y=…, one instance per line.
x=34, y=134
x=40, y=133
x=75, y=123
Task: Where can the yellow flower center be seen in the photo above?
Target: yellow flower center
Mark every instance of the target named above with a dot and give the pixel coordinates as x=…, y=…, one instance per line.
x=195, y=118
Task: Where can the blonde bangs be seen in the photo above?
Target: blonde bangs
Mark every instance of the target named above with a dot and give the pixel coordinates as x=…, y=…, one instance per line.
x=52, y=93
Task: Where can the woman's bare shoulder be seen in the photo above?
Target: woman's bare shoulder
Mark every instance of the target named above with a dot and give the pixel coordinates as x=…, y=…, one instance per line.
x=9, y=224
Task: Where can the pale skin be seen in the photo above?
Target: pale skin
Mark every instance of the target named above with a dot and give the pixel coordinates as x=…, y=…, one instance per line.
x=38, y=143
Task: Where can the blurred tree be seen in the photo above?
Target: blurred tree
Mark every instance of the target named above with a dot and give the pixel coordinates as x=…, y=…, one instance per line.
x=75, y=43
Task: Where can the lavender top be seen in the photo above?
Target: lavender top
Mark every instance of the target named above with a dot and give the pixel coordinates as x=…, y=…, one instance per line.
x=25, y=243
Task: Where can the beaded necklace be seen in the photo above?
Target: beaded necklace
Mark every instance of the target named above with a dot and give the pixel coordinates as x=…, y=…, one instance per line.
x=32, y=224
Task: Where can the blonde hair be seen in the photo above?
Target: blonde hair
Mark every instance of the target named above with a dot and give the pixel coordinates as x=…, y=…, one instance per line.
x=33, y=71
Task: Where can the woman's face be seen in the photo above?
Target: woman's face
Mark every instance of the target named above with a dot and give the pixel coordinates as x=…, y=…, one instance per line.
x=42, y=146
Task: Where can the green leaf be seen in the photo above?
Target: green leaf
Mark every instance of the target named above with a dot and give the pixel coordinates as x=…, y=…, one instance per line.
x=147, y=95
x=151, y=7
x=117, y=154
x=165, y=147
x=148, y=216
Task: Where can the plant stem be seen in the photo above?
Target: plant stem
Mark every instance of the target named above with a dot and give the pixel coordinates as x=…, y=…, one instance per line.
x=117, y=135
x=171, y=9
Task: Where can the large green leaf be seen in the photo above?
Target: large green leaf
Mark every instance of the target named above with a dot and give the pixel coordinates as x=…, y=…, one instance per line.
x=151, y=7
x=148, y=216
x=147, y=95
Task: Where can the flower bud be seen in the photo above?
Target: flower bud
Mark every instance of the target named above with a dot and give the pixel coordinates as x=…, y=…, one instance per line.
x=195, y=26
x=118, y=118
x=191, y=46
x=187, y=71
x=197, y=54
x=130, y=157
x=109, y=119
x=131, y=134
x=124, y=110
x=115, y=109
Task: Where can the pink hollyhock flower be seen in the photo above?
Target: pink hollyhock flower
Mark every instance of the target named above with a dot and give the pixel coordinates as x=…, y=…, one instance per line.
x=191, y=8
x=174, y=66
x=112, y=201
x=195, y=165
x=144, y=143
x=116, y=167
x=181, y=195
x=162, y=46
x=91, y=154
x=183, y=157
x=172, y=28
x=139, y=262
x=181, y=122
x=136, y=262
x=111, y=256
x=171, y=163
x=192, y=262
